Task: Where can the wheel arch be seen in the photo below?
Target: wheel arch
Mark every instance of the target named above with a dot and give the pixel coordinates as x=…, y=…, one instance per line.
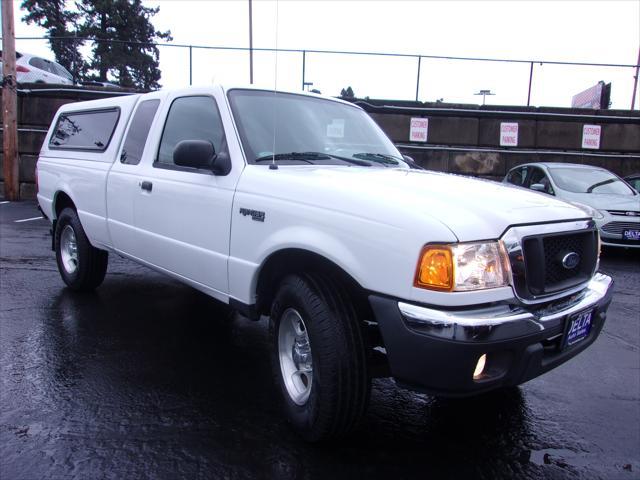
x=297, y=260
x=61, y=200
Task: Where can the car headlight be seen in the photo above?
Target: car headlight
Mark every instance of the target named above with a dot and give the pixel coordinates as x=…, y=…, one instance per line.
x=592, y=212
x=462, y=267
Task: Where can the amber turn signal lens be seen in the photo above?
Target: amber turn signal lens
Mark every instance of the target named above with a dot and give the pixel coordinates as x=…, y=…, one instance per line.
x=435, y=268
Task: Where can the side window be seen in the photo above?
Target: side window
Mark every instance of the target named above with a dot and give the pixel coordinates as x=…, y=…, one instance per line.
x=90, y=130
x=38, y=63
x=138, y=132
x=190, y=118
x=517, y=176
x=539, y=177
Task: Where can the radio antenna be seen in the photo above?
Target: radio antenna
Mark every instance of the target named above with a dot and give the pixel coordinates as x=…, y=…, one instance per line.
x=273, y=165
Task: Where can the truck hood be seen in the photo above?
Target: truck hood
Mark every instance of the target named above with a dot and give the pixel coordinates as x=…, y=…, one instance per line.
x=472, y=209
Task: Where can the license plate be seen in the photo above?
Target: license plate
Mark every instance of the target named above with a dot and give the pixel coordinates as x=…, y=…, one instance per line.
x=633, y=235
x=579, y=327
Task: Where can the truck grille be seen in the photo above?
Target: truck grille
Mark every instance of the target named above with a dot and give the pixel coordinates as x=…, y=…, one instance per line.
x=547, y=268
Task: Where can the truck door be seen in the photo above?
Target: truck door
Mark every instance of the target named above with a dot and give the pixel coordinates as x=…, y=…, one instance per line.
x=180, y=216
x=124, y=176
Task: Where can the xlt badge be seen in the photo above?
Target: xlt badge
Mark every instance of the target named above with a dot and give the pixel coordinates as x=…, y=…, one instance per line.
x=256, y=215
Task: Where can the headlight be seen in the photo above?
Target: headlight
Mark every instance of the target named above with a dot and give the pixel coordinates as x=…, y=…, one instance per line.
x=462, y=267
x=592, y=212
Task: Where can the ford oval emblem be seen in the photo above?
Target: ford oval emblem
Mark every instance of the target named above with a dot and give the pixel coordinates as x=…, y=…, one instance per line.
x=570, y=260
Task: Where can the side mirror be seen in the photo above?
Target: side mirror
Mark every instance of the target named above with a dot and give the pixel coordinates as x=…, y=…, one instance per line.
x=411, y=162
x=201, y=154
x=221, y=164
x=538, y=187
x=194, y=154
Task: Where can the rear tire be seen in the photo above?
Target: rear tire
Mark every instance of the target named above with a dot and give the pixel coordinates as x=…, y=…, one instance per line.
x=318, y=357
x=81, y=265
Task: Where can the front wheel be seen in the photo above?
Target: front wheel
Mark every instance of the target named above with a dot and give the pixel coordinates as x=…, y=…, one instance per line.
x=81, y=265
x=318, y=357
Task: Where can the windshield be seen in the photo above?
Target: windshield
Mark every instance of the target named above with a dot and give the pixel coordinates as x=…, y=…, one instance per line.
x=308, y=130
x=582, y=180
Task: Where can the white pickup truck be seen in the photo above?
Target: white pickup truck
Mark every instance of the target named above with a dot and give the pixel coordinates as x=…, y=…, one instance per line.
x=299, y=208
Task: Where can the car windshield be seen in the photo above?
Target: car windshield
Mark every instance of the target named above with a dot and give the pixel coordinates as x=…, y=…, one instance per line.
x=308, y=130
x=584, y=180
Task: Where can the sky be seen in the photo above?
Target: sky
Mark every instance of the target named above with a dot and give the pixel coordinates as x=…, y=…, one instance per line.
x=574, y=31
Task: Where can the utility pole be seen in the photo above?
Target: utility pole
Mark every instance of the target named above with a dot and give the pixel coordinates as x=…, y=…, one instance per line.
x=9, y=105
x=250, y=44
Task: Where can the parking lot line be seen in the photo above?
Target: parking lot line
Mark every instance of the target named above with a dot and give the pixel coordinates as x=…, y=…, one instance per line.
x=4, y=201
x=27, y=219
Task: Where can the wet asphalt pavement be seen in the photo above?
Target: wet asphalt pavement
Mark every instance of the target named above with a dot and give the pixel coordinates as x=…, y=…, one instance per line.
x=147, y=378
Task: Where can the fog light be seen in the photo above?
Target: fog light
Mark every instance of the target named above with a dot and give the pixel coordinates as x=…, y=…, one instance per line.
x=482, y=361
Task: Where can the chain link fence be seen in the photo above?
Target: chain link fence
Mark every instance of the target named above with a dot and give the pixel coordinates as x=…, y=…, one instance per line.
x=426, y=78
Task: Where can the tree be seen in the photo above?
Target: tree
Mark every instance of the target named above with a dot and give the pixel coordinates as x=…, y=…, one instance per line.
x=59, y=22
x=347, y=93
x=121, y=31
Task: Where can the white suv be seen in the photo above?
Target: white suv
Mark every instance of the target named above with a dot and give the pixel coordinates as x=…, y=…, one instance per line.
x=32, y=69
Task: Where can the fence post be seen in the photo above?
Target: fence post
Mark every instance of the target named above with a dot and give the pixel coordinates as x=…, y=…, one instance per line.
x=190, y=65
x=304, y=62
x=530, y=80
x=635, y=82
x=251, y=44
x=418, y=80
x=74, y=66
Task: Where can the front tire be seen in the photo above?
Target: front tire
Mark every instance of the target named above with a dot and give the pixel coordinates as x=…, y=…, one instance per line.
x=318, y=357
x=81, y=265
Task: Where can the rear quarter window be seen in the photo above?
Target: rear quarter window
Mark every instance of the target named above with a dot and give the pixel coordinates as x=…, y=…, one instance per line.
x=88, y=130
x=517, y=176
x=138, y=132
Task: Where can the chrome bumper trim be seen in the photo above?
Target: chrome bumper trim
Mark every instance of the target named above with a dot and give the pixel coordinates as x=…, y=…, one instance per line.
x=595, y=291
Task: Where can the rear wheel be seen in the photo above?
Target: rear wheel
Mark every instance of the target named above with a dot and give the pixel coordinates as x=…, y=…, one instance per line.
x=318, y=357
x=81, y=265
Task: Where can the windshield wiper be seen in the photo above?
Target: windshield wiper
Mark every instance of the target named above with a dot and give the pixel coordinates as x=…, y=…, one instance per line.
x=310, y=157
x=600, y=184
x=285, y=156
x=378, y=158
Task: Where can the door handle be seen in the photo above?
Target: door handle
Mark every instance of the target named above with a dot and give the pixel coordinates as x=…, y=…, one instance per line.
x=146, y=185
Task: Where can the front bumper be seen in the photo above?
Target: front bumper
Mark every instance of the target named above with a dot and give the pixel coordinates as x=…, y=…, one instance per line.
x=611, y=228
x=436, y=350
x=609, y=240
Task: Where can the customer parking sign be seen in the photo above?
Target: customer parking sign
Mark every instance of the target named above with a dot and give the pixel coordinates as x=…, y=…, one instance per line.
x=591, y=136
x=419, y=129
